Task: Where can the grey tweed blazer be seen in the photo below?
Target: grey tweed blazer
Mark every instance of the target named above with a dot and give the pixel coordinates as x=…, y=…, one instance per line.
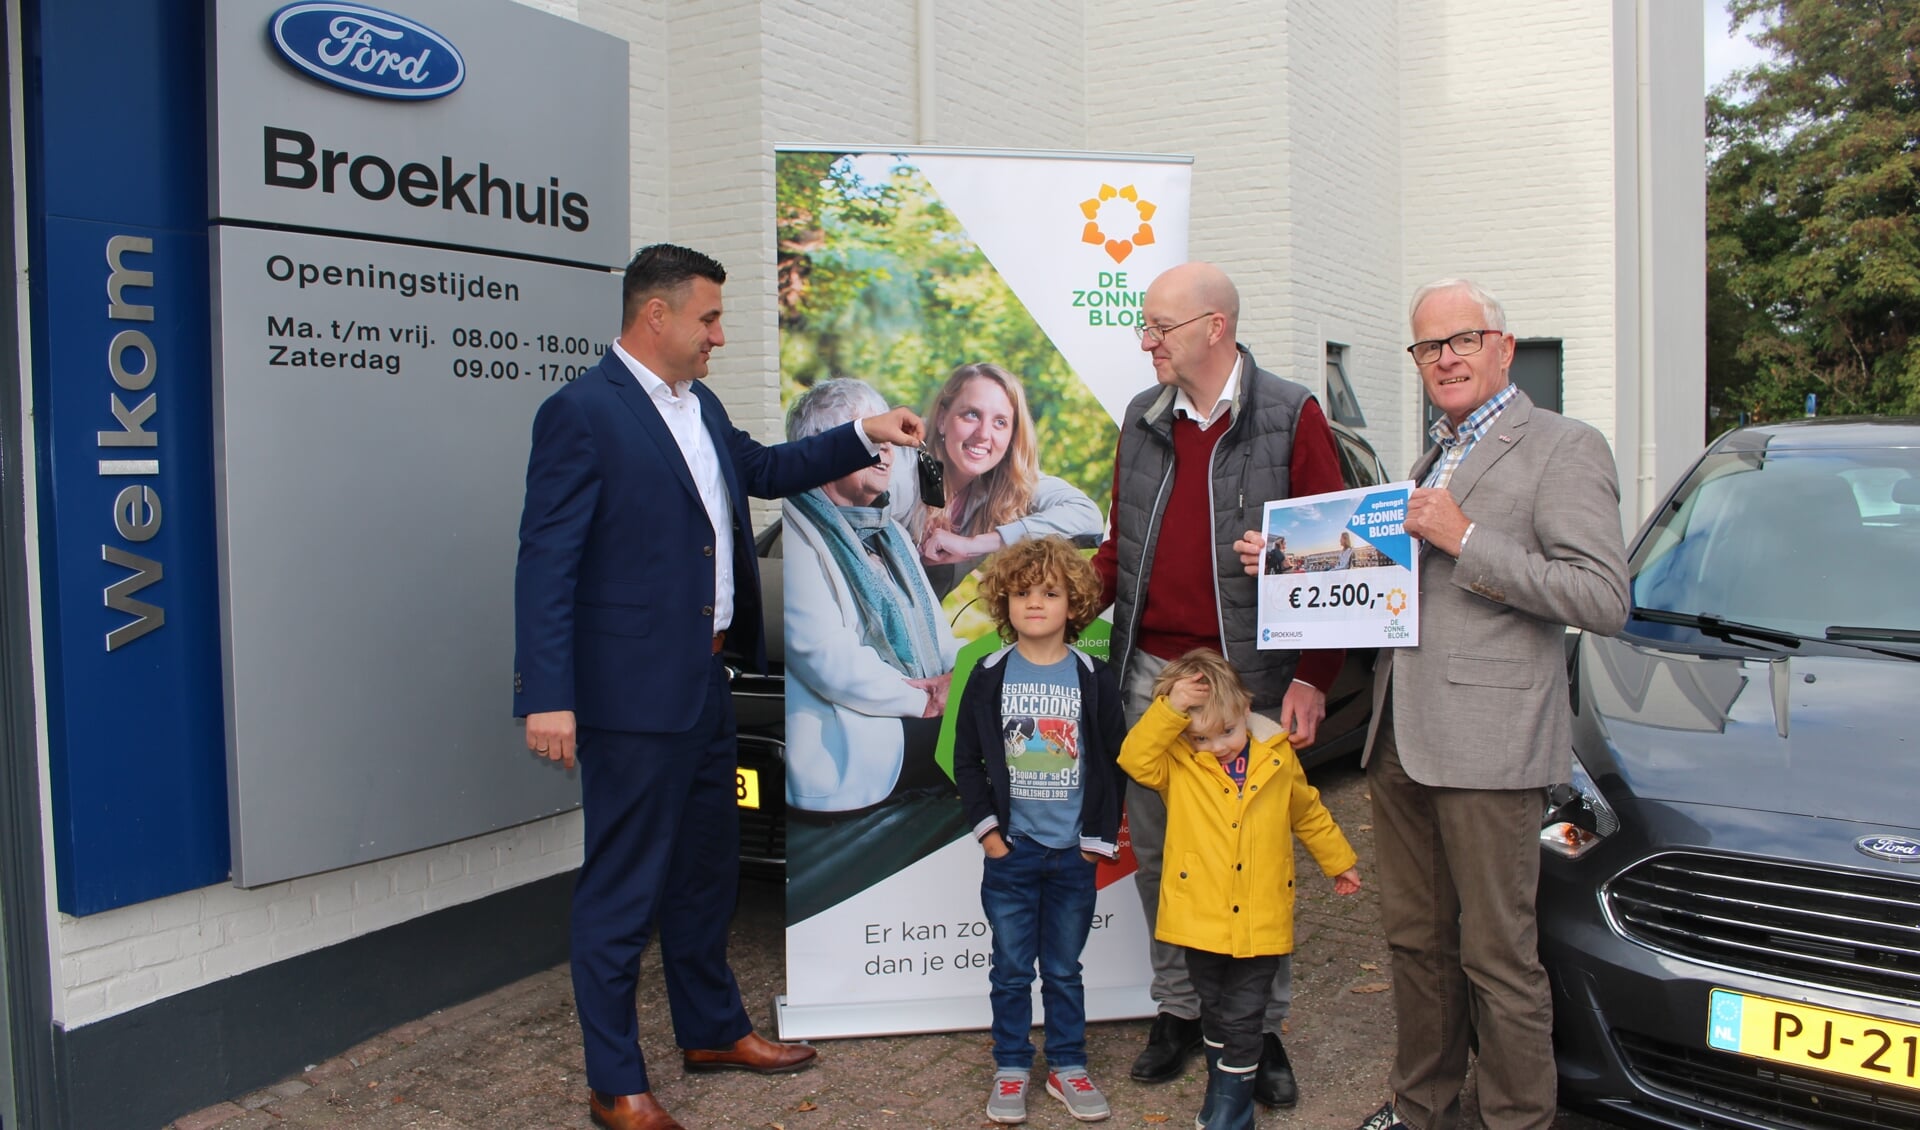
x=1482, y=702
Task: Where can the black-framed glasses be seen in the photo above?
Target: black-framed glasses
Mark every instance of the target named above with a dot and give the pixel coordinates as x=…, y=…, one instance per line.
x=1466, y=343
x=1158, y=334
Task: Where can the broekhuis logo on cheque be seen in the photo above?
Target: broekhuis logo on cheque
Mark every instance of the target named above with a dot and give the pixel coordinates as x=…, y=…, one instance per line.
x=368, y=51
x=1117, y=221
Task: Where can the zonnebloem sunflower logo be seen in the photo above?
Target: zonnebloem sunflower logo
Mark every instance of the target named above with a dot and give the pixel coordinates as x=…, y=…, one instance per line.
x=1396, y=601
x=1121, y=212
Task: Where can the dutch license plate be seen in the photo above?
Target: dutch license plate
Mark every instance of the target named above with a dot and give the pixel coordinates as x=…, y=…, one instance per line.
x=1845, y=1043
x=746, y=787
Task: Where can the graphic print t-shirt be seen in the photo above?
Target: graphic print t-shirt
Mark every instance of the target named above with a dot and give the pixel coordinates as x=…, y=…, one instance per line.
x=1040, y=722
x=1237, y=768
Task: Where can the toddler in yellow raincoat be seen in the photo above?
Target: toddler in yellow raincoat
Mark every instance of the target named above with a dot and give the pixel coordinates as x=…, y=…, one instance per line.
x=1226, y=887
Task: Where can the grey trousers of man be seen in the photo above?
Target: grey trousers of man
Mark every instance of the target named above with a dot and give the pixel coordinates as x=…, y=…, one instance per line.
x=1173, y=990
x=1458, y=872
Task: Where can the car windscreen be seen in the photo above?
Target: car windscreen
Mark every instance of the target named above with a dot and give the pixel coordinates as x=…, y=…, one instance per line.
x=1802, y=541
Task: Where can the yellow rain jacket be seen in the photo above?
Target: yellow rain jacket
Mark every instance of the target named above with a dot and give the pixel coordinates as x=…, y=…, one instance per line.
x=1226, y=878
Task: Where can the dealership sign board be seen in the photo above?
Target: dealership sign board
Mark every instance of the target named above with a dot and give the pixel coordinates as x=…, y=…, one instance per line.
x=415, y=212
x=217, y=243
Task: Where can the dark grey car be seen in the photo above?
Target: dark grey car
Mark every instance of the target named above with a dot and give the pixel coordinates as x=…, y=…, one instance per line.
x=1730, y=913
x=760, y=701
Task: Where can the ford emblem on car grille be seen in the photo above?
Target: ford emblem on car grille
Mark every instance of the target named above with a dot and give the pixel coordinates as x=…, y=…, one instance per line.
x=368, y=51
x=1900, y=849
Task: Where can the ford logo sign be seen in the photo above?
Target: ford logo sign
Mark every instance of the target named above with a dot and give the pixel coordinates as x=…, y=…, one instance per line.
x=1900, y=849
x=368, y=51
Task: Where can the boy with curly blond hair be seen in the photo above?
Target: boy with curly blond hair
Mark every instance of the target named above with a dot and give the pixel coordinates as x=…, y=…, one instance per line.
x=1234, y=805
x=1034, y=755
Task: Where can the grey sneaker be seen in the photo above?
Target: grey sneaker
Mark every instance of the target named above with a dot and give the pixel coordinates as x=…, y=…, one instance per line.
x=1084, y=1101
x=1007, y=1102
x=1386, y=1118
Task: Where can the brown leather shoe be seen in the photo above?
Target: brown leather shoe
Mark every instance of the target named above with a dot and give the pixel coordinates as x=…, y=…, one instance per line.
x=629, y=1112
x=750, y=1053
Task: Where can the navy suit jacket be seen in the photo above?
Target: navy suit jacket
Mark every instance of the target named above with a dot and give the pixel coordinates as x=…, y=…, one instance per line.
x=614, y=592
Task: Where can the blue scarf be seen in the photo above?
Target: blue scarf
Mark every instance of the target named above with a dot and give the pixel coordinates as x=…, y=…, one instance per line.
x=899, y=615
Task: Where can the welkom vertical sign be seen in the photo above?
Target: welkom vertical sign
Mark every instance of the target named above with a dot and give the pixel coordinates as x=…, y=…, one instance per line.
x=1014, y=282
x=117, y=231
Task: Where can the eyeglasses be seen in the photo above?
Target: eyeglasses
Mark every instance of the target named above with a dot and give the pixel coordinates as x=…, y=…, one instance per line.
x=1466, y=343
x=1158, y=334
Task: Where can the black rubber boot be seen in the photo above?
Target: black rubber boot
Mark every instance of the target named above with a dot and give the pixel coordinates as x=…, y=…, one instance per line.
x=1212, y=1098
x=1172, y=1040
x=1273, y=1084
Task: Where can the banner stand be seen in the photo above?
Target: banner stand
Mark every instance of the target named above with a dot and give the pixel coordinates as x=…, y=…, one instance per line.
x=999, y=294
x=952, y=1014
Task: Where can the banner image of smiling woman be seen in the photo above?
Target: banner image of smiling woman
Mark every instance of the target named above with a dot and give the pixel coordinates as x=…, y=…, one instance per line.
x=982, y=432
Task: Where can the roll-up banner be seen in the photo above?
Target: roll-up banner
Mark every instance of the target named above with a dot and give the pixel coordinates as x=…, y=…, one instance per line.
x=998, y=293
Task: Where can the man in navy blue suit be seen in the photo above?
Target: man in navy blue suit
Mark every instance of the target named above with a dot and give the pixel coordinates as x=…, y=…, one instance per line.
x=636, y=572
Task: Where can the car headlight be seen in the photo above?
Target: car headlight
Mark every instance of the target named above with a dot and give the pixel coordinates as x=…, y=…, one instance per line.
x=1577, y=816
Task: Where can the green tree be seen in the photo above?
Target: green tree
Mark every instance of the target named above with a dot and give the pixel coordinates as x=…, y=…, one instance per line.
x=1813, y=246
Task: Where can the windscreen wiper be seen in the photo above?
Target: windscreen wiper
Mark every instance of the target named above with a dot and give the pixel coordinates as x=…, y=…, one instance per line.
x=1861, y=637
x=1879, y=635
x=1720, y=627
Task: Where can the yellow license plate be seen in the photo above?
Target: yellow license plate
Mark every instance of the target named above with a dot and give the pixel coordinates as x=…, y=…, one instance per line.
x=746, y=787
x=1845, y=1043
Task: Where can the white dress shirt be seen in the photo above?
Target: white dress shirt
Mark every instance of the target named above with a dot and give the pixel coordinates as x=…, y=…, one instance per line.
x=1183, y=404
x=680, y=409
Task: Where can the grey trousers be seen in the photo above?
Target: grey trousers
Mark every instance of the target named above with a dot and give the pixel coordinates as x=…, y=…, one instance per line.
x=1172, y=988
x=1458, y=873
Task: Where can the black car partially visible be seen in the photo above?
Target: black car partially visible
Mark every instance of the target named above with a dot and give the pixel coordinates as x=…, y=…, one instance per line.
x=1730, y=890
x=760, y=700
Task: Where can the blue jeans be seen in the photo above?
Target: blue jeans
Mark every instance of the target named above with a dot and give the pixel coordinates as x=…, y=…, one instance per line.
x=1039, y=902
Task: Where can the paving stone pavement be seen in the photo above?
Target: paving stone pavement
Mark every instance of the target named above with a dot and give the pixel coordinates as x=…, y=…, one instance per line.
x=511, y=1060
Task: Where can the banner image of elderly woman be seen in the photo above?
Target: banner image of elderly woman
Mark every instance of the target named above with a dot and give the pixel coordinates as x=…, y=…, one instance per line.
x=960, y=283
x=869, y=662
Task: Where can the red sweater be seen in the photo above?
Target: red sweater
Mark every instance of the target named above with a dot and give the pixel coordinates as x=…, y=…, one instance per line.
x=1180, y=612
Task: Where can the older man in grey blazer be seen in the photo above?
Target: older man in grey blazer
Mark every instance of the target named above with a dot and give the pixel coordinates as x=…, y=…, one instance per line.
x=1519, y=509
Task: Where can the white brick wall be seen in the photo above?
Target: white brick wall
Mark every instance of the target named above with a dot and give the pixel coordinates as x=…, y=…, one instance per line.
x=1346, y=151
x=720, y=188
x=1290, y=110
x=1011, y=75
x=121, y=959
x=1208, y=80
x=1507, y=149
x=643, y=24
x=1346, y=190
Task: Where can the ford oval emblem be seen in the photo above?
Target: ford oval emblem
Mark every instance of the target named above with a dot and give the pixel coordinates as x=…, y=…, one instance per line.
x=368, y=51
x=1900, y=849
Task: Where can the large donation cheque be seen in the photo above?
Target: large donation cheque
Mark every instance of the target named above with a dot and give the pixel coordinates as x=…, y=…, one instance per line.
x=1340, y=570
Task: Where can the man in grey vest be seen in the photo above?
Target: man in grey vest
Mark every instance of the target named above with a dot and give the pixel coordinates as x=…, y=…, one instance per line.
x=1200, y=454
